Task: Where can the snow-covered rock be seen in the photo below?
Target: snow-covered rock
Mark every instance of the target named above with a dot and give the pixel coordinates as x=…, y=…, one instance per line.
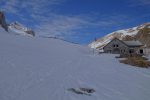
x=45, y=68
x=15, y=28
x=18, y=28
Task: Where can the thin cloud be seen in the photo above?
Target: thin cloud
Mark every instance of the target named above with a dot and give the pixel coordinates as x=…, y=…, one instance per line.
x=61, y=25
x=30, y=7
x=69, y=25
x=49, y=23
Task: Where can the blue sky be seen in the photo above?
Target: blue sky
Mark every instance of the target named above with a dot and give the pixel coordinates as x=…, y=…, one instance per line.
x=77, y=20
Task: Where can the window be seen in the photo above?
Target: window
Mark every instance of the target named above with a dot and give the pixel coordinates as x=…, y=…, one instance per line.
x=115, y=45
x=141, y=51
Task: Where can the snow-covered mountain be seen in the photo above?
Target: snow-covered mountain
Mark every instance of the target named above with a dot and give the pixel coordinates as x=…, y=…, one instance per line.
x=18, y=28
x=15, y=28
x=45, y=68
x=125, y=34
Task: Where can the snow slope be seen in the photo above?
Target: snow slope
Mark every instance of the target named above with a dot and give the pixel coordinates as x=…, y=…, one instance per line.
x=43, y=69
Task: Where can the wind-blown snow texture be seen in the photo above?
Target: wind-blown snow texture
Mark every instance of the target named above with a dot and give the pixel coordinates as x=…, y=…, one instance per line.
x=43, y=69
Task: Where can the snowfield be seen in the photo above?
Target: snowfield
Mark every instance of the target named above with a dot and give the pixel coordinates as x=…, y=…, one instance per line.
x=44, y=69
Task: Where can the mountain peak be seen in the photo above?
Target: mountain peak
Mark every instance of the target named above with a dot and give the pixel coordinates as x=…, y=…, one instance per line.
x=21, y=29
x=15, y=27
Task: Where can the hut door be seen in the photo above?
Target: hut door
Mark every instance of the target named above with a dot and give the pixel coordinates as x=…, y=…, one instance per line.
x=131, y=51
x=116, y=51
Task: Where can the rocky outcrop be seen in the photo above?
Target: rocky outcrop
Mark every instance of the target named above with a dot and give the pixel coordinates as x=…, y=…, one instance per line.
x=30, y=32
x=129, y=38
x=144, y=35
x=15, y=27
x=18, y=28
x=3, y=21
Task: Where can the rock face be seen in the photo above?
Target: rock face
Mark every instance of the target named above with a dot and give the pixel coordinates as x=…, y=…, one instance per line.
x=31, y=32
x=144, y=35
x=141, y=33
x=3, y=21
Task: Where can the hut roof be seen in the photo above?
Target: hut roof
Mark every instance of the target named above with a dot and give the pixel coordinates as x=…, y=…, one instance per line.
x=133, y=43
